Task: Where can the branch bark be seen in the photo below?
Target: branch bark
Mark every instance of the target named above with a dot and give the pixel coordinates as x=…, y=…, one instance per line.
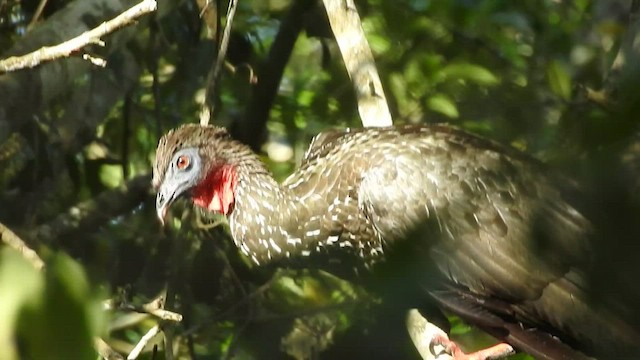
x=105, y=351
x=154, y=307
x=24, y=94
x=358, y=58
x=214, y=73
x=422, y=333
x=137, y=350
x=50, y=53
x=13, y=241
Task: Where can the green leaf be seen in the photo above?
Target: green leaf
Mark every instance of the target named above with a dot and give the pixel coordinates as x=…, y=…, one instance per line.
x=61, y=321
x=444, y=105
x=20, y=283
x=469, y=72
x=559, y=80
x=111, y=175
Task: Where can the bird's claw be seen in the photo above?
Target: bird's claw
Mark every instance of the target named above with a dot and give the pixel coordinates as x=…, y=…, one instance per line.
x=495, y=352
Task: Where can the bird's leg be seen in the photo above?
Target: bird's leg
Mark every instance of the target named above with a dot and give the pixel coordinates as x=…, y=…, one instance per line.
x=494, y=352
x=434, y=344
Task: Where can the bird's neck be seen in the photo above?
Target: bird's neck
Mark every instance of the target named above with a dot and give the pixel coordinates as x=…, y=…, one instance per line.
x=261, y=209
x=278, y=223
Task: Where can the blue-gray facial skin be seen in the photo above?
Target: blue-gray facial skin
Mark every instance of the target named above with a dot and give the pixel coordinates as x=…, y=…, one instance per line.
x=183, y=174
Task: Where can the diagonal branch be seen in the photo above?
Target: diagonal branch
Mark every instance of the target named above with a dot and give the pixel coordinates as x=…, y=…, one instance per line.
x=358, y=58
x=214, y=73
x=49, y=53
x=13, y=241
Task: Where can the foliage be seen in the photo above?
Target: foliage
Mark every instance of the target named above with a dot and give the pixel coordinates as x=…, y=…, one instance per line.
x=53, y=315
x=514, y=71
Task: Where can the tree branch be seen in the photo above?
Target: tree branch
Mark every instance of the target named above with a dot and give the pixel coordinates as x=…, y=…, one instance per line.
x=105, y=351
x=13, y=241
x=37, y=14
x=358, y=58
x=154, y=307
x=422, y=333
x=137, y=350
x=24, y=94
x=214, y=73
x=50, y=53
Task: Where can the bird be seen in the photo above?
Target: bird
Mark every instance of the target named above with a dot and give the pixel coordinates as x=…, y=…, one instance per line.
x=495, y=230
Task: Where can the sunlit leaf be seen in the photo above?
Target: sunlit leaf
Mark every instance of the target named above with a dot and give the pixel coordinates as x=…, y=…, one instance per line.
x=469, y=72
x=62, y=322
x=305, y=97
x=559, y=79
x=444, y=105
x=111, y=175
x=20, y=283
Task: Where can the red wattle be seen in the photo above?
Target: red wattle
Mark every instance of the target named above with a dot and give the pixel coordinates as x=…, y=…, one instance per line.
x=216, y=191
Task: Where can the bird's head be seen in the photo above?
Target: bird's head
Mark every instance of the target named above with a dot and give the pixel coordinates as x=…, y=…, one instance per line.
x=195, y=161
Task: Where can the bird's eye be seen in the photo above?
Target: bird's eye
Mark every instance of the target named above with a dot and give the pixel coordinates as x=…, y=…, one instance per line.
x=182, y=162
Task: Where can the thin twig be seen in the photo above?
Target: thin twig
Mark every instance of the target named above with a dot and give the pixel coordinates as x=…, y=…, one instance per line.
x=12, y=240
x=214, y=74
x=37, y=14
x=154, y=62
x=207, y=226
x=126, y=133
x=154, y=308
x=143, y=342
x=105, y=351
x=168, y=343
x=253, y=79
x=50, y=53
x=225, y=313
x=250, y=308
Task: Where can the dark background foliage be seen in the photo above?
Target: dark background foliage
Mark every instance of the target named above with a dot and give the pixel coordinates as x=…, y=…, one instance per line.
x=77, y=143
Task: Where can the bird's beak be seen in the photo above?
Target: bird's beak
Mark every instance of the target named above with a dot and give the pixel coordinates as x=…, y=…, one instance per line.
x=167, y=193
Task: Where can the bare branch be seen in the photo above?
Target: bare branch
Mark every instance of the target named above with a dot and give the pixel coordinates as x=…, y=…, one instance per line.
x=422, y=333
x=430, y=341
x=37, y=14
x=105, y=351
x=13, y=241
x=143, y=342
x=49, y=53
x=154, y=308
x=358, y=58
x=214, y=73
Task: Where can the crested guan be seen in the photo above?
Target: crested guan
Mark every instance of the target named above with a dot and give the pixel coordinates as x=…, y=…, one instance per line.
x=509, y=252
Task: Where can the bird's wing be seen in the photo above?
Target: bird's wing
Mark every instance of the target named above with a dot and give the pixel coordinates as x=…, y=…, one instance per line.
x=500, y=225
x=322, y=144
x=496, y=225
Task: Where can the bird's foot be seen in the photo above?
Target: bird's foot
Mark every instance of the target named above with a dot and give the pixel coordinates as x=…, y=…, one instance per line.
x=495, y=352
